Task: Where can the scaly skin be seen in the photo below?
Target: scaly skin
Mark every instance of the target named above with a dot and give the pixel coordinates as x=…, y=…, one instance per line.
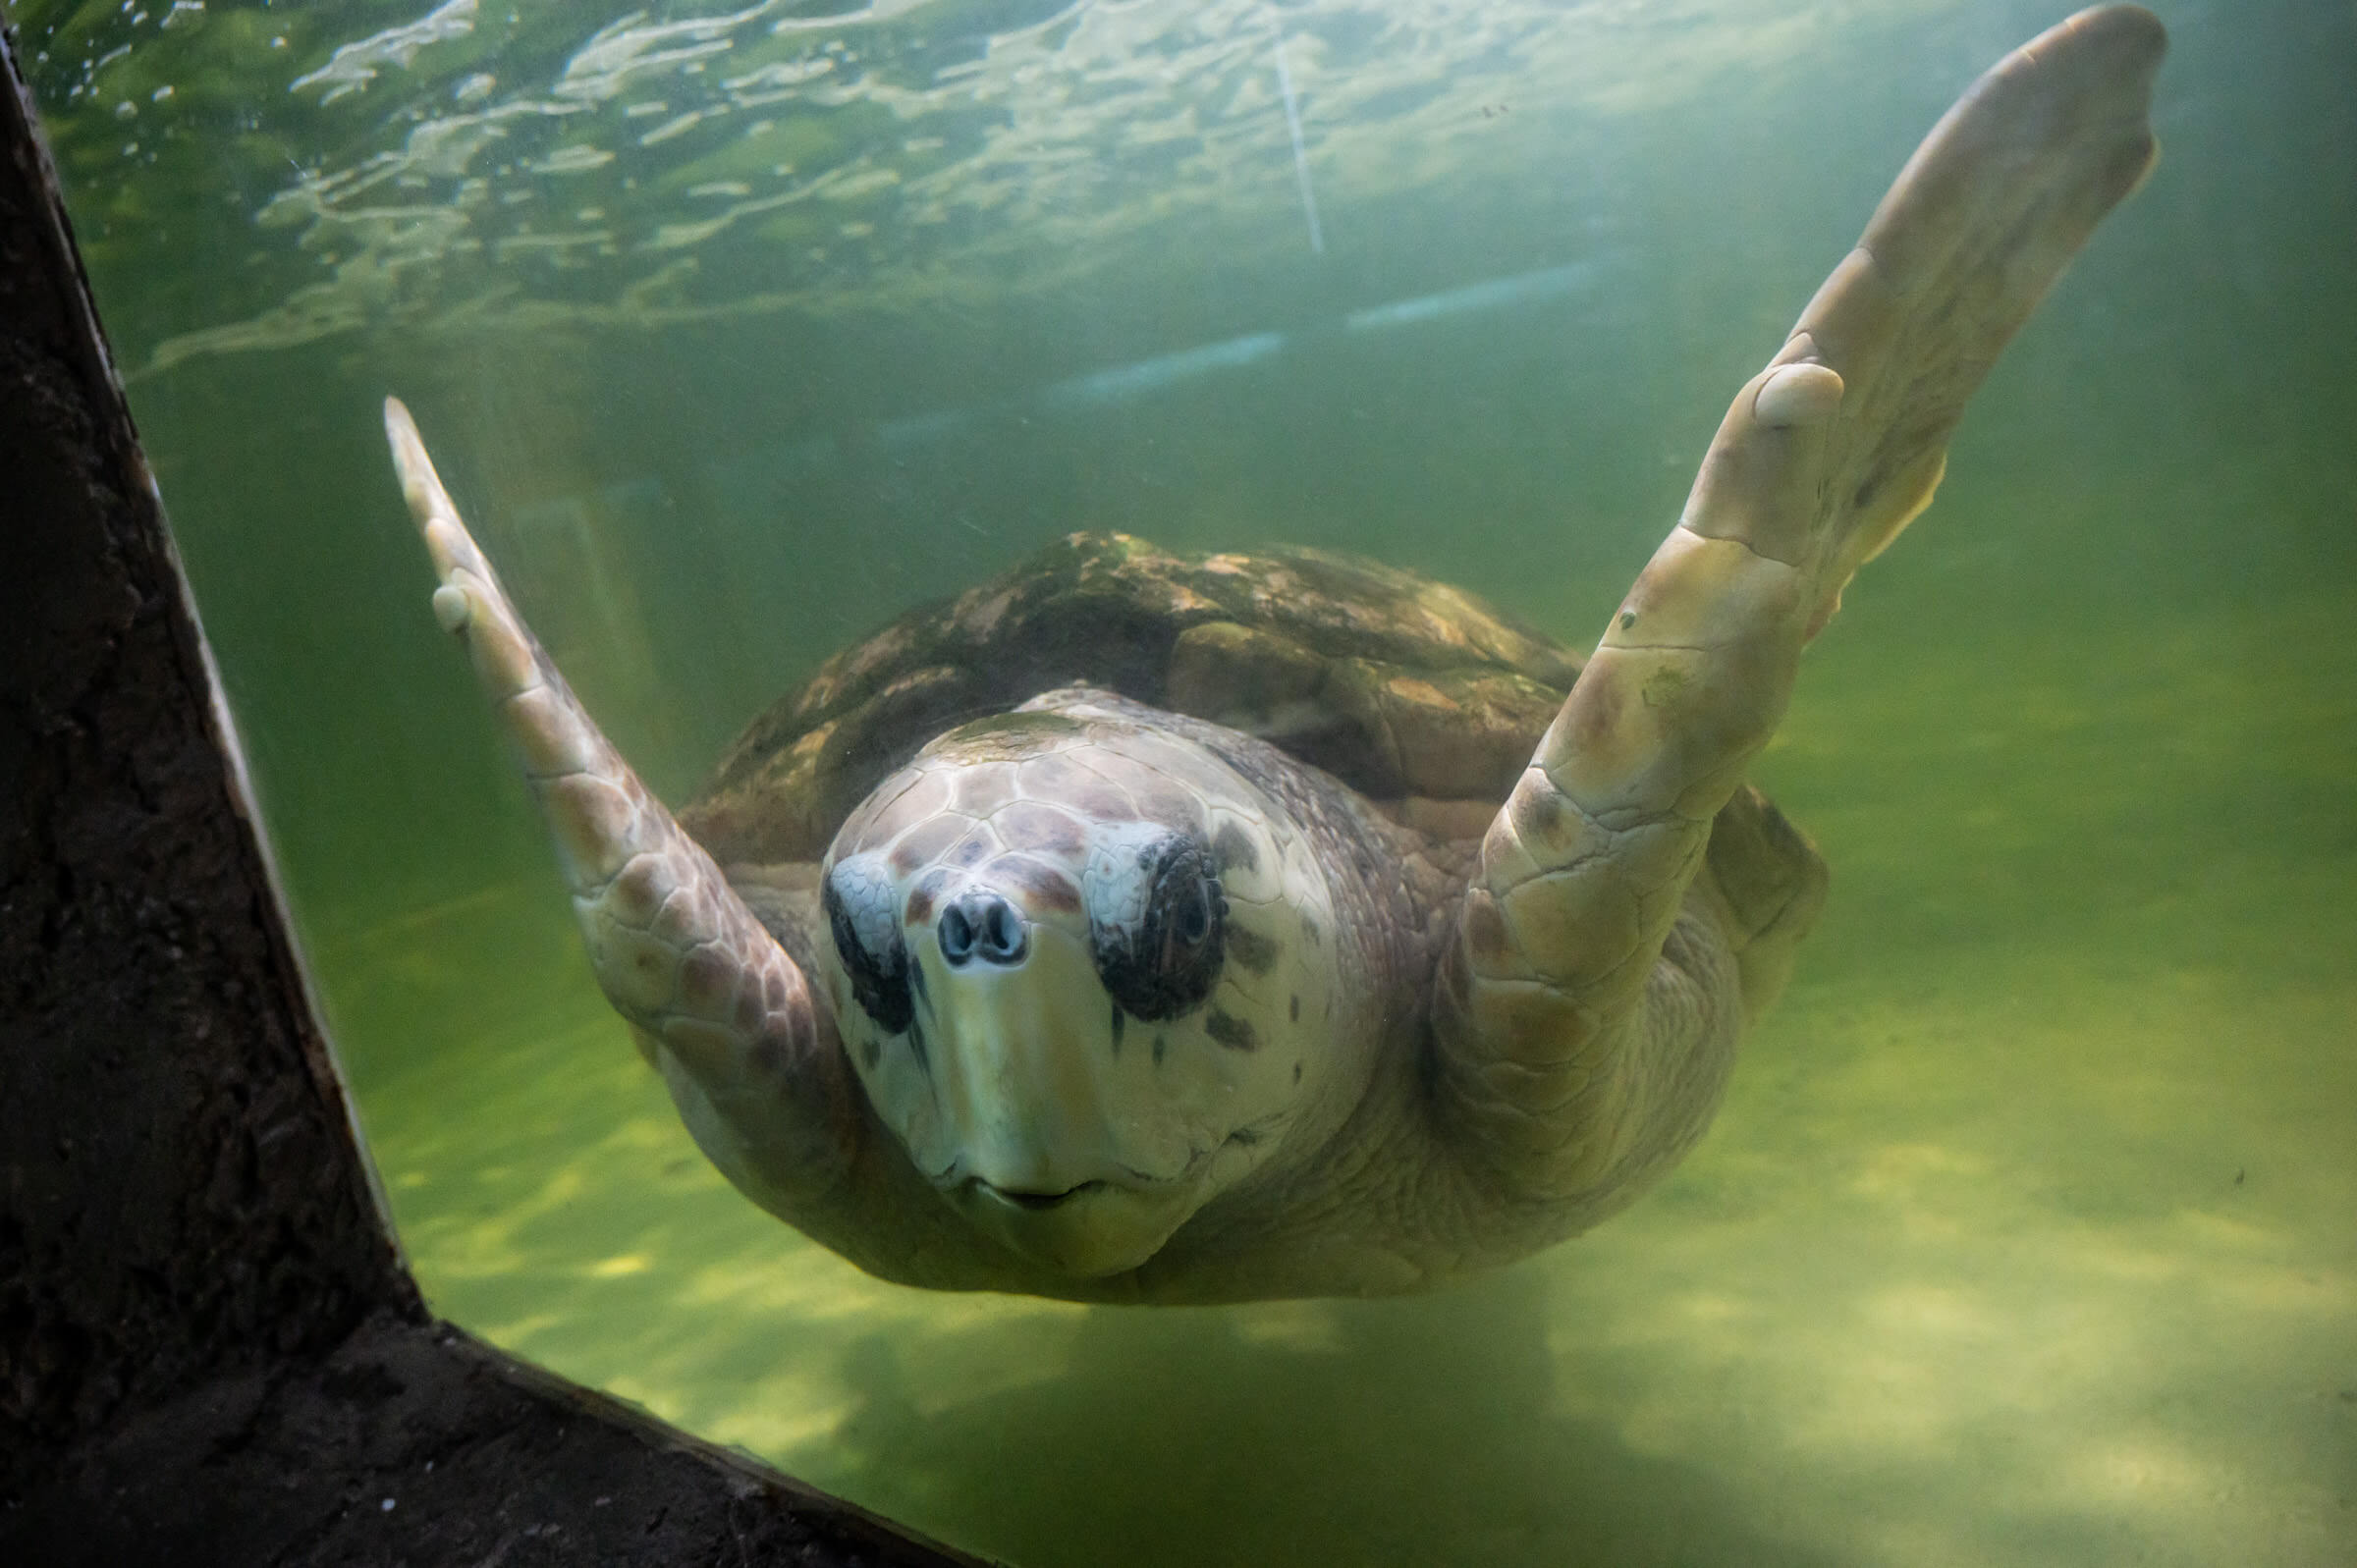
x=1591, y=991
x=1574, y=1065
x=677, y=951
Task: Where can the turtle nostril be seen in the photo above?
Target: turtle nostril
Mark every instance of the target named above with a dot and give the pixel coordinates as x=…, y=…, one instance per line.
x=982, y=925
x=1003, y=938
x=956, y=934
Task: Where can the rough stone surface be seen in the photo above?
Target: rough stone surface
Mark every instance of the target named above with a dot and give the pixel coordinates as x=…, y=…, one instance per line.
x=437, y=1452
x=181, y=1183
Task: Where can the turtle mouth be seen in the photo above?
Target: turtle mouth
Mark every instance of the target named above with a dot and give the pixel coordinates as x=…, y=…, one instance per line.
x=1033, y=1201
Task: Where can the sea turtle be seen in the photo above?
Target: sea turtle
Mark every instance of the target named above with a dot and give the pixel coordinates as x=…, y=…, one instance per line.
x=1159, y=929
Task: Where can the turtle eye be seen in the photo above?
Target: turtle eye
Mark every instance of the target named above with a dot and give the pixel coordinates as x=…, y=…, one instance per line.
x=1155, y=918
x=858, y=904
x=1193, y=923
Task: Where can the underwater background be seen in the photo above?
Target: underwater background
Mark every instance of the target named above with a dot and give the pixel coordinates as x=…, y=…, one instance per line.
x=2028, y=1230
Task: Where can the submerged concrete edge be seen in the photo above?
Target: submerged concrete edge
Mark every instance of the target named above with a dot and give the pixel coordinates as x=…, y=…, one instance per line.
x=210, y=1347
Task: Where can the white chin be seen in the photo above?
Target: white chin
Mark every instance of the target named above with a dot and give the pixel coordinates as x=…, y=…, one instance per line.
x=1096, y=1231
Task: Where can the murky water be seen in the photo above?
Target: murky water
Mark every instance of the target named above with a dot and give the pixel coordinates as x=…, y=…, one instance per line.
x=2025, y=1233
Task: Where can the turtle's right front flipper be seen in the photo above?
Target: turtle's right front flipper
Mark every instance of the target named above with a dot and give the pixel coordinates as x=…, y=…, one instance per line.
x=1588, y=1008
x=675, y=949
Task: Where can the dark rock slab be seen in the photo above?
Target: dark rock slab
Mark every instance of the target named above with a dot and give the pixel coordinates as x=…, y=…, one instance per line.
x=210, y=1351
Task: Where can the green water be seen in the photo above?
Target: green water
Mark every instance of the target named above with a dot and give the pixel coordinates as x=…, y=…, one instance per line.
x=2025, y=1234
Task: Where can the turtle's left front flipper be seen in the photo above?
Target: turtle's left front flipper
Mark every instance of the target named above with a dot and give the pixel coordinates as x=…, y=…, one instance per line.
x=675, y=949
x=1589, y=1007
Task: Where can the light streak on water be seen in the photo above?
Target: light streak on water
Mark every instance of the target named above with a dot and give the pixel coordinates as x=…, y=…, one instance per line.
x=1292, y=123
x=1523, y=287
x=1125, y=382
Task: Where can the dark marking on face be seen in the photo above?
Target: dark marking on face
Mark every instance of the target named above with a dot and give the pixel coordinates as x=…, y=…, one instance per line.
x=1171, y=808
x=916, y=987
x=1312, y=932
x=1054, y=777
x=1296, y=1072
x=1120, y=1021
x=1166, y=959
x=1250, y=949
x=931, y=891
x=919, y=798
x=924, y=843
x=983, y=787
x=1104, y=804
x=1293, y=1010
x=916, y=1047
x=872, y=1054
x=1231, y=1031
x=1160, y=1049
x=1028, y=825
x=879, y=980
x=1041, y=887
x=971, y=849
x=1231, y=848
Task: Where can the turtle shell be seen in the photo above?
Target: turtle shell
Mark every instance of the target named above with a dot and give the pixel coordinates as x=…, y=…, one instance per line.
x=1397, y=686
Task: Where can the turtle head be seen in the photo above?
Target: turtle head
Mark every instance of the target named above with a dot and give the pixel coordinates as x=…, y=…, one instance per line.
x=1079, y=965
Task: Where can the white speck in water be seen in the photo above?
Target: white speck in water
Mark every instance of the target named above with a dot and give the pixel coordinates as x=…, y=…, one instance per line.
x=386, y=1506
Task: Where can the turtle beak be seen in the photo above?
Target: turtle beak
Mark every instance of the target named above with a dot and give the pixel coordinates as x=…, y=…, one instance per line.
x=1023, y=1097
x=1087, y=1232
x=1029, y=1088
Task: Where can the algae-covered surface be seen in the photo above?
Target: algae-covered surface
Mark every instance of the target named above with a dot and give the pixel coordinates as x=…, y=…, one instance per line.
x=2024, y=1234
